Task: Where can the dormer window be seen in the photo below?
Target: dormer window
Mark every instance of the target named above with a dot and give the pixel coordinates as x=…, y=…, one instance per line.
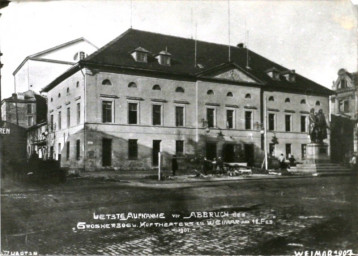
x=164, y=58
x=290, y=75
x=343, y=84
x=273, y=73
x=140, y=55
x=79, y=55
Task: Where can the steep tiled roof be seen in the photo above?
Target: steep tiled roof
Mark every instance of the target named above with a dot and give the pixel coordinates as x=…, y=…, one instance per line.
x=209, y=55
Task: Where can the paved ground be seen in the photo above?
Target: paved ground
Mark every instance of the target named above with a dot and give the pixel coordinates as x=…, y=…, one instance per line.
x=303, y=213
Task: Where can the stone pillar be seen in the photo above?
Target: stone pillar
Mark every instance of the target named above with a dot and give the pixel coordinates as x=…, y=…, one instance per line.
x=317, y=153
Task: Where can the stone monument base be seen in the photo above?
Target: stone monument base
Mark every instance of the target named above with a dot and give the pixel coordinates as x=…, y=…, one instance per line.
x=317, y=153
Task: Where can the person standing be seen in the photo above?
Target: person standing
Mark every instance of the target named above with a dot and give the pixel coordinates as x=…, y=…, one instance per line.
x=282, y=161
x=174, y=165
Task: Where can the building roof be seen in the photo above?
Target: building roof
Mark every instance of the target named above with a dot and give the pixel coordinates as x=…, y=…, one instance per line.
x=116, y=54
x=37, y=56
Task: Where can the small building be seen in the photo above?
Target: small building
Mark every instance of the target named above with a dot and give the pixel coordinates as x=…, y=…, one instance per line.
x=24, y=109
x=37, y=141
x=145, y=93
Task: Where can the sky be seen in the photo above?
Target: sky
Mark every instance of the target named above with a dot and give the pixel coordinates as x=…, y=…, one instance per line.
x=316, y=38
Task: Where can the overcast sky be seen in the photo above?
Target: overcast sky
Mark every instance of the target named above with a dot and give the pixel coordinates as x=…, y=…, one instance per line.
x=316, y=38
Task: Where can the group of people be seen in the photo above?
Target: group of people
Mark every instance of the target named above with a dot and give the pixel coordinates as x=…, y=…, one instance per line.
x=284, y=164
x=206, y=166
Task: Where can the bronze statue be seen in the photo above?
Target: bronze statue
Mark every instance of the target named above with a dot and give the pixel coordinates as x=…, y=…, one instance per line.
x=317, y=126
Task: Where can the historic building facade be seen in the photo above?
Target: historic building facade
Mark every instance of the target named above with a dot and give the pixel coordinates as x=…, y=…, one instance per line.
x=144, y=92
x=344, y=104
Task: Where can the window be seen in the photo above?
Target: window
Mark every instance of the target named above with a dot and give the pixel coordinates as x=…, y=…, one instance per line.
x=230, y=118
x=132, y=149
x=248, y=96
x=78, y=113
x=287, y=100
x=271, y=98
x=82, y=55
x=179, y=89
x=179, y=147
x=164, y=60
x=132, y=85
x=77, y=84
x=51, y=99
x=271, y=122
x=30, y=120
x=59, y=120
x=106, y=82
x=303, y=101
x=29, y=108
x=210, y=92
x=210, y=117
x=179, y=116
x=51, y=123
x=59, y=95
x=59, y=152
x=288, y=123
x=132, y=113
x=68, y=117
x=156, y=87
x=141, y=57
x=78, y=148
x=68, y=91
x=303, y=124
x=157, y=114
x=248, y=120
x=229, y=94
x=343, y=84
x=107, y=111
x=288, y=150
x=318, y=103
x=67, y=150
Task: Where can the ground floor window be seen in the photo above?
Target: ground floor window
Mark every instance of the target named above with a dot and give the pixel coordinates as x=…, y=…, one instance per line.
x=78, y=154
x=179, y=147
x=288, y=150
x=132, y=149
x=272, y=149
x=67, y=150
x=106, y=152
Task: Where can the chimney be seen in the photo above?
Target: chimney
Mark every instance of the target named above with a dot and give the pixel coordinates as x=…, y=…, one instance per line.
x=240, y=45
x=14, y=96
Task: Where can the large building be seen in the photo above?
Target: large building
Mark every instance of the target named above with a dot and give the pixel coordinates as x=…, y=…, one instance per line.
x=39, y=69
x=146, y=92
x=344, y=106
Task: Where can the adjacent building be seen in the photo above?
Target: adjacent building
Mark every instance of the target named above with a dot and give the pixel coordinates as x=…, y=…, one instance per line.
x=24, y=109
x=344, y=107
x=145, y=93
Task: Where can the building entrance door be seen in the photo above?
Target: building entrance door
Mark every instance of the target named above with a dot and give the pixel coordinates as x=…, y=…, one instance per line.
x=249, y=154
x=228, y=154
x=156, y=150
x=106, y=152
x=210, y=150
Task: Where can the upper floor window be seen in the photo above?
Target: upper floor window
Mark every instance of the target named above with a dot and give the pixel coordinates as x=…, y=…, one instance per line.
x=164, y=58
x=157, y=115
x=82, y=55
x=211, y=117
x=29, y=108
x=248, y=120
x=271, y=98
x=343, y=83
x=106, y=82
x=156, y=87
x=179, y=89
x=68, y=91
x=132, y=113
x=229, y=94
x=140, y=55
x=318, y=103
x=248, y=96
x=107, y=111
x=230, y=118
x=210, y=92
x=51, y=99
x=303, y=101
x=132, y=85
x=288, y=120
x=179, y=116
x=79, y=55
x=287, y=100
x=59, y=95
x=271, y=121
x=77, y=84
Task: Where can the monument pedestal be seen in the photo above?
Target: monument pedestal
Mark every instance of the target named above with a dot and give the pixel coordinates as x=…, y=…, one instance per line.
x=317, y=153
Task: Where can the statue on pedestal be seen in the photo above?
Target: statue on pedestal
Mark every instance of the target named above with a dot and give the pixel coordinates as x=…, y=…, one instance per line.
x=317, y=126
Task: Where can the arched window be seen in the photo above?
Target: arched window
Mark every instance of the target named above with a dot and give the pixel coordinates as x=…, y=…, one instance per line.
x=106, y=82
x=303, y=101
x=77, y=84
x=156, y=87
x=287, y=100
x=318, y=103
x=229, y=94
x=59, y=95
x=271, y=98
x=210, y=92
x=179, y=89
x=248, y=96
x=132, y=85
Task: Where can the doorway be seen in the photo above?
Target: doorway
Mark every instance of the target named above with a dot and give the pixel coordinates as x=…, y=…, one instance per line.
x=156, y=150
x=249, y=154
x=210, y=150
x=106, y=152
x=228, y=153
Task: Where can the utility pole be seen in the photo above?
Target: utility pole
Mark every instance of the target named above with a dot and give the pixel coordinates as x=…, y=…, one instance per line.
x=265, y=131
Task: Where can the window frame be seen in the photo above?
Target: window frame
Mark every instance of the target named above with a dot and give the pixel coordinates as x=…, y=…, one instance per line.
x=78, y=110
x=59, y=120
x=182, y=146
x=68, y=117
x=305, y=125
x=161, y=114
x=175, y=114
x=138, y=112
x=290, y=123
x=214, y=117
x=130, y=155
x=233, y=118
x=251, y=119
x=274, y=121
x=112, y=111
x=78, y=150
x=68, y=146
